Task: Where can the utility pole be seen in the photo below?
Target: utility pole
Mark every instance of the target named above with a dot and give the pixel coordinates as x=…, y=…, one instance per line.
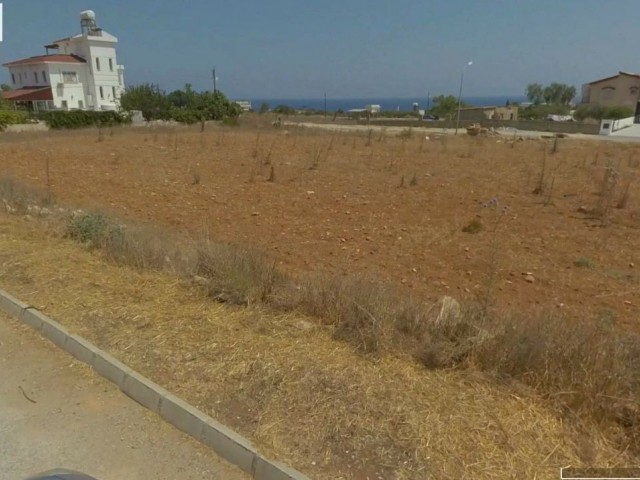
x=325, y=104
x=214, y=80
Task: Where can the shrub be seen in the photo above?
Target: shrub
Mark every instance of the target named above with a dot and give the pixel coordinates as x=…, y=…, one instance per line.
x=83, y=119
x=95, y=229
x=188, y=117
x=236, y=275
x=599, y=112
x=12, y=117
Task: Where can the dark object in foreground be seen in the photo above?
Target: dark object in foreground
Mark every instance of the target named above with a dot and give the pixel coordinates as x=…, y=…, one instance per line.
x=61, y=474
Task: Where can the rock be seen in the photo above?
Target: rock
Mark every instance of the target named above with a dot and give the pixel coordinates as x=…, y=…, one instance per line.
x=529, y=278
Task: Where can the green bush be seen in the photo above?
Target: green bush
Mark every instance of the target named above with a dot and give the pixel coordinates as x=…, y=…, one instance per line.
x=598, y=112
x=540, y=112
x=96, y=229
x=186, y=116
x=12, y=117
x=83, y=119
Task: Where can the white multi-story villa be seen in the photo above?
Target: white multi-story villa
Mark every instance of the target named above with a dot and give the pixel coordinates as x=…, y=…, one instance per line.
x=77, y=73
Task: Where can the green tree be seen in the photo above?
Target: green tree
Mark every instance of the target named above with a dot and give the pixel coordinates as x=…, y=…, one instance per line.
x=215, y=105
x=264, y=108
x=148, y=98
x=445, y=105
x=5, y=88
x=535, y=93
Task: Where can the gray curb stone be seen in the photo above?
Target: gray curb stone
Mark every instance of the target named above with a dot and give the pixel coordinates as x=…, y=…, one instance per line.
x=225, y=442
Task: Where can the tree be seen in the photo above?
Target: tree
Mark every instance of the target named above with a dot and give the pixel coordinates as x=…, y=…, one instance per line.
x=445, y=105
x=553, y=94
x=264, y=108
x=535, y=93
x=148, y=98
x=5, y=88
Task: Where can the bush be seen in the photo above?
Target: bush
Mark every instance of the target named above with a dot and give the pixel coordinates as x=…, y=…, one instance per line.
x=12, y=117
x=188, y=117
x=540, y=112
x=83, y=119
x=599, y=112
x=284, y=110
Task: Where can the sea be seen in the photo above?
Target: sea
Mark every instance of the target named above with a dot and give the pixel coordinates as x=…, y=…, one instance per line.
x=386, y=104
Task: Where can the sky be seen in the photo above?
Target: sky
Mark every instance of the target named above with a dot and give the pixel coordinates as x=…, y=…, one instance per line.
x=345, y=48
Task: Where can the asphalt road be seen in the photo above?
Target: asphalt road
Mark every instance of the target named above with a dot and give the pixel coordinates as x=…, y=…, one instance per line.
x=56, y=413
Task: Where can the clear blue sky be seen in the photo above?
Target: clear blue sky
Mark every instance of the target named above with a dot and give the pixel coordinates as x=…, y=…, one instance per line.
x=347, y=48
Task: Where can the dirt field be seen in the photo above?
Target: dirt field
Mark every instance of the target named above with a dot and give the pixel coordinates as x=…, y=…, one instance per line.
x=523, y=226
x=385, y=207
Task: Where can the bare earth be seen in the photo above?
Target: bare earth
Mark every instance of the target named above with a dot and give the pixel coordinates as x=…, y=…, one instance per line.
x=385, y=207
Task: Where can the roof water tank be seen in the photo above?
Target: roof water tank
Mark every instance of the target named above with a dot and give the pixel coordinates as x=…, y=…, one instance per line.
x=88, y=15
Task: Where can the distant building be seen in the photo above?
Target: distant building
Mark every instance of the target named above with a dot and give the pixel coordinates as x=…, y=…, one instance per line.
x=244, y=105
x=478, y=114
x=83, y=73
x=619, y=90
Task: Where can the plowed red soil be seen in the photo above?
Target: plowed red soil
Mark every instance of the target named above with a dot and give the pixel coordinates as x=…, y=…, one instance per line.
x=386, y=207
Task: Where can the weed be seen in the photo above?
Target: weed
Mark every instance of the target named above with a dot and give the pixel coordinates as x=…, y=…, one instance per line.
x=606, y=193
x=195, y=178
x=18, y=197
x=406, y=133
x=369, y=136
x=236, y=275
x=474, y=226
x=583, y=262
x=91, y=228
x=414, y=180
x=256, y=147
x=543, y=170
x=272, y=175
x=624, y=198
x=402, y=182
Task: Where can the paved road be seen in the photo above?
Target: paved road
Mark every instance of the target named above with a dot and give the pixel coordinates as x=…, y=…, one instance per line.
x=81, y=422
x=506, y=133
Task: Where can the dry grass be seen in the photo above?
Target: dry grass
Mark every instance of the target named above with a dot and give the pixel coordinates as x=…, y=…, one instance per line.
x=17, y=197
x=284, y=382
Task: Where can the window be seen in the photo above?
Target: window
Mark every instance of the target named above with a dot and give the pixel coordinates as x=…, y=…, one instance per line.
x=65, y=105
x=13, y=78
x=101, y=93
x=111, y=64
x=98, y=64
x=608, y=93
x=113, y=91
x=69, y=77
x=80, y=104
x=35, y=76
x=44, y=76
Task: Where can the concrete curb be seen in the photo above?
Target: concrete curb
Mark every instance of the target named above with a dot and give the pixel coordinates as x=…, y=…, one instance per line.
x=225, y=442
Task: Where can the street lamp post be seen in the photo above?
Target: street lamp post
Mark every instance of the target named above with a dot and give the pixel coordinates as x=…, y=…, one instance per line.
x=460, y=95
